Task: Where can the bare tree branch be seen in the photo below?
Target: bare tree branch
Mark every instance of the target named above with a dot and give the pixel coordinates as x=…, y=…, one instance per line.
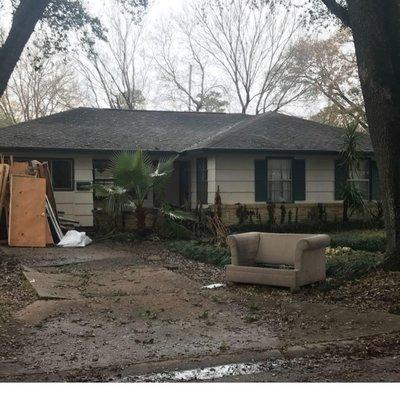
x=337, y=9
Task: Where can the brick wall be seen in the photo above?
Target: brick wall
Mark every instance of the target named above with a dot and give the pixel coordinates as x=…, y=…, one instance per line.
x=304, y=211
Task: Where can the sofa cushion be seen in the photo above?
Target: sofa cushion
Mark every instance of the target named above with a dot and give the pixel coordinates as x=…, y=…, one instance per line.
x=278, y=248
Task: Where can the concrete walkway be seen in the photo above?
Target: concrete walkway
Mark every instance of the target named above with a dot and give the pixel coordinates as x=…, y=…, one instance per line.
x=121, y=314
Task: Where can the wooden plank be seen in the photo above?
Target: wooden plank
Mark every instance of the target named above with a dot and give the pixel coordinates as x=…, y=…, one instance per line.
x=27, y=218
x=44, y=172
x=53, y=220
x=49, y=236
x=19, y=168
x=4, y=172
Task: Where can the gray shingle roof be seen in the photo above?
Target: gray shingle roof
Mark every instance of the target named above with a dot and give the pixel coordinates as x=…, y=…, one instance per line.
x=279, y=132
x=88, y=129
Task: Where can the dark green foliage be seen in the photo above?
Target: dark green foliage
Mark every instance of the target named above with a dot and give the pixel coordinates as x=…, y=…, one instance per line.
x=373, y=240
x=283, y=214
x=349, y=265
x=352, y=265
x=171, y=229
x=242, y=213
x=308, y=227
x=271, y=213
x=217, y=256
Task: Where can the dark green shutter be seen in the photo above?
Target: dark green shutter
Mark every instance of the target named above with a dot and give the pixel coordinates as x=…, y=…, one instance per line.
x=374, y=181
x=260, y=180
x=299, y=180
x=340, y=179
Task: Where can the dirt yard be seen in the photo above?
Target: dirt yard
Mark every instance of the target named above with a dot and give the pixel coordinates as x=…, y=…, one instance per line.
x=127, y=311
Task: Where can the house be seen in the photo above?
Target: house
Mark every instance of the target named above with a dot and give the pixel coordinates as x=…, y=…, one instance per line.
x=253, y=160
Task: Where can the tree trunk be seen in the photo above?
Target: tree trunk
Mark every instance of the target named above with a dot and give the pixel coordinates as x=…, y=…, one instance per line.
x=140, y=213
x=376, y=32
x=25, y=18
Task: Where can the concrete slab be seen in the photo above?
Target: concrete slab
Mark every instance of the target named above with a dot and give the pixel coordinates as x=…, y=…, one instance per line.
x=103, y=313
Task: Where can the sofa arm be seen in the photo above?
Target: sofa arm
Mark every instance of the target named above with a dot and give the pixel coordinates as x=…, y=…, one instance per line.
x=244, y=248
x=312, y=243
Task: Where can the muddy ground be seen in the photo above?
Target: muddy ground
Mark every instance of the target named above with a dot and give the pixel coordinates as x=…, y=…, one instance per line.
x=118, y=311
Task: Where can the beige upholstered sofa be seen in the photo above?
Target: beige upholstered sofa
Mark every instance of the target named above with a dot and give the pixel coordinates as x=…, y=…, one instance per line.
x=277, y=259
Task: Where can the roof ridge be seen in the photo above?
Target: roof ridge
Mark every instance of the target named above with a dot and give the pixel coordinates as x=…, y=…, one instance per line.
x=226, y=130
x=221, y=132
x=159, y=111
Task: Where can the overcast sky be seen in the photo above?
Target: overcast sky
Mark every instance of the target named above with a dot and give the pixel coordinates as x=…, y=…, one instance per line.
x=159, y=12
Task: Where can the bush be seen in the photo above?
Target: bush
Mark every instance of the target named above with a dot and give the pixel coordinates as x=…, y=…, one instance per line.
x=360, y=240
x=353, y=264
x=306, y=227
x=217, y=256
x=348, y=264
x=367, y=239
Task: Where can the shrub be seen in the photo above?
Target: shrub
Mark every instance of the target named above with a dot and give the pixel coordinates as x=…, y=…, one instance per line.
x=352, y=264
x=360, y=240
x=342, y=263
x=306, y=227
x=217, y=256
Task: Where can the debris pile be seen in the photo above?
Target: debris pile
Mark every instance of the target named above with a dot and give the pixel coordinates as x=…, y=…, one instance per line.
x=28, y=211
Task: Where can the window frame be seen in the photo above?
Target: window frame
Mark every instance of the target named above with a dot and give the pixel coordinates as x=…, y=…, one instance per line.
x=290, y=160
x=49, y=161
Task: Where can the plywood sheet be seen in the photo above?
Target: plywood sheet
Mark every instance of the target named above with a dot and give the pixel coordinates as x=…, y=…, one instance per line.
x=27, y=219
x=45, y=173
x=4, y=170
x=20, y=168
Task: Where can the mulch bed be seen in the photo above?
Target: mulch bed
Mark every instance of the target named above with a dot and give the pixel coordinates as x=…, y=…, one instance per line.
x=15, y=294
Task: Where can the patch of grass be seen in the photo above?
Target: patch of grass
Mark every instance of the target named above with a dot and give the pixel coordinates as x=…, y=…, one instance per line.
x=217, y=299
x=217, y=256
x=253, y=306
x=224, y=346
x=250, y=318
x=120, y=293
x=365, y=240
x=204, y=315
x=149, y=314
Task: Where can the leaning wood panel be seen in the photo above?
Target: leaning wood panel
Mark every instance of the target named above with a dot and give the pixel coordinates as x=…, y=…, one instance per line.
x=27, y=219
x=19, y=168
x=4, y=171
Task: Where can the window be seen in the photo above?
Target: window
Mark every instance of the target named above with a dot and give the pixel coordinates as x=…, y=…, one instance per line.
x=360, y=178
x=202, y=180
x=279, y=180
x=62, y=174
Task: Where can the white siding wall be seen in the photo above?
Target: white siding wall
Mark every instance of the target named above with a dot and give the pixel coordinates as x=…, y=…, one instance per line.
x=78, y=205
x=234, y=174
x=320, y=179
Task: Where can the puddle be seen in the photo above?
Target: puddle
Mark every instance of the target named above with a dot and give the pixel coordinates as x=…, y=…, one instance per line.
x=208, y=373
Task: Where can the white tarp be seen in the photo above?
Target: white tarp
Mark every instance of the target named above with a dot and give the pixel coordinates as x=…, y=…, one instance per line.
x=75, y=239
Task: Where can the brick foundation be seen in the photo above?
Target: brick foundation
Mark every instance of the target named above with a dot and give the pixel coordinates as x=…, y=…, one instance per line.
x=102, y=221
x=305, y=212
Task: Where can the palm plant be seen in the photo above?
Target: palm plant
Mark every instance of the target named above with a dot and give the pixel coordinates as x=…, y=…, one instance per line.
x=351, y=158
x=134, y=178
